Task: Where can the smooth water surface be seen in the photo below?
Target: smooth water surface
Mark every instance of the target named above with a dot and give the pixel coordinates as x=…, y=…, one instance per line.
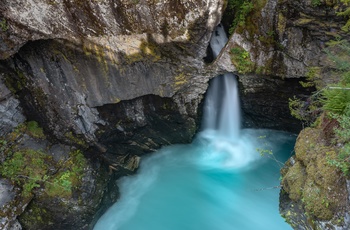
x=210, y=184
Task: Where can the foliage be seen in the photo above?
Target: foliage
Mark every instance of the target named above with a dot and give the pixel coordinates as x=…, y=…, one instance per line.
x=342, y=132
x=345, y=13
x=315, y=3
x=333, y=99
x=307, y=110
x=336, y=100
x=337, y=103
x=34, y=130
x=3, y=25
x=241, y=9
x=337, y=96
x=70, y=175
x=266, y=151
x=241, y=59
x=3, y=145
x=27, y=168
x=312, y=77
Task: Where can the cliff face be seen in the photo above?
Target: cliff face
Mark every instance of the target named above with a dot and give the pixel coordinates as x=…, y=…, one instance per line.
x=282, y=40
x=315, y=194
x=121, y=78
x=102, y=53
x=116, y=79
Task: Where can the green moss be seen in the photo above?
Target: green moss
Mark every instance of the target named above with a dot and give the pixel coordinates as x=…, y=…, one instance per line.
x=253, y=18
x=180, y=80
x=315, y=3
x=241, y=60
x=34, y=130
x=75, y=139
x=148, y=51
x=281, y=24
x=294, y=180
x=32, y=169
x=319, y=186
x=3, y=25
x=16, y=83
x=35, y=215
x=27, y=168
x=69, y=177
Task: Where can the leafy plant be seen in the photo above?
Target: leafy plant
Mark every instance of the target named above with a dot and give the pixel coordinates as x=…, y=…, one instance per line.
x=3, y=25
x=345, y=13
x=342, y=132
x=26, y=168
x=34, y=130
x=315, y=3
x=241, y=59
x=312, y=78
x=241, y=9
x=336, y=99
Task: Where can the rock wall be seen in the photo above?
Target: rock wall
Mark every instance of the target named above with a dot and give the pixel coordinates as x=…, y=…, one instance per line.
x=291, y=39
x=315, y=194
x=120, y=78
x=103, y=53
x=282, y=40
x=116, y=79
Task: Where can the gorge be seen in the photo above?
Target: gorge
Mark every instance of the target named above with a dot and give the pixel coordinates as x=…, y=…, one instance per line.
x=217, y=182
x=89, y=87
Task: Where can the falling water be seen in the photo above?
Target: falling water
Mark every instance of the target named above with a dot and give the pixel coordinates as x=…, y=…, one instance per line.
x=219, y=182
x=221, y=112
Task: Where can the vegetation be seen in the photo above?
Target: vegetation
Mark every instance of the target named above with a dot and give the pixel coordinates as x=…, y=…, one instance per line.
x=240, y=9
x=315, y=3
x=34, y=130
x=333, y=100
x=345, y=13
x=32, y=169
x=3, y=25
x=241, y=59
x=342, y=133
x=27, y=168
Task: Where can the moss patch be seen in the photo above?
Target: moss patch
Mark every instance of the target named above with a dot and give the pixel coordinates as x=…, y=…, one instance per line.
x=32, y=169
x=312, y=180
x=241, y=60
x=148, y=51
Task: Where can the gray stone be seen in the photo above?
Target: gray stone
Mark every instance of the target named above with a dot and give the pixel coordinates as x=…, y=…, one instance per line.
x=10, y=110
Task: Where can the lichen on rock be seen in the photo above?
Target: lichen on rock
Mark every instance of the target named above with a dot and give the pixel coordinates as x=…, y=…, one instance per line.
x=314, y=185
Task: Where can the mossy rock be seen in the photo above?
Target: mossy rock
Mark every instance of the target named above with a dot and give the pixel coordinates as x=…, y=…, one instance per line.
x=312, y=180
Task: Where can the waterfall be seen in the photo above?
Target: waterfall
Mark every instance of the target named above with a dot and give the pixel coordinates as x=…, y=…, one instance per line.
x=221, y=109
x=212, y=183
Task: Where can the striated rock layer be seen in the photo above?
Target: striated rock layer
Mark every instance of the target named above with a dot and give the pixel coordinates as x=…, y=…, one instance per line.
x=116, y=79
x=121, y=78
x=291, y=39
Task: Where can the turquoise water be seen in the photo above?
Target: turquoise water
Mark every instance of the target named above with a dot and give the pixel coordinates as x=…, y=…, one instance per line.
x=219, y=182
x=211, y=184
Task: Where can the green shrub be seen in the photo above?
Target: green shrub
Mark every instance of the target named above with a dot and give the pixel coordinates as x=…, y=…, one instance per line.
x=241, y=9
x=241, y=59
x=26, y=168
x=345, y=13
x=3, y=25
x=315, y=3
x=34, y=130
x=29, y=170
x=336, y=100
